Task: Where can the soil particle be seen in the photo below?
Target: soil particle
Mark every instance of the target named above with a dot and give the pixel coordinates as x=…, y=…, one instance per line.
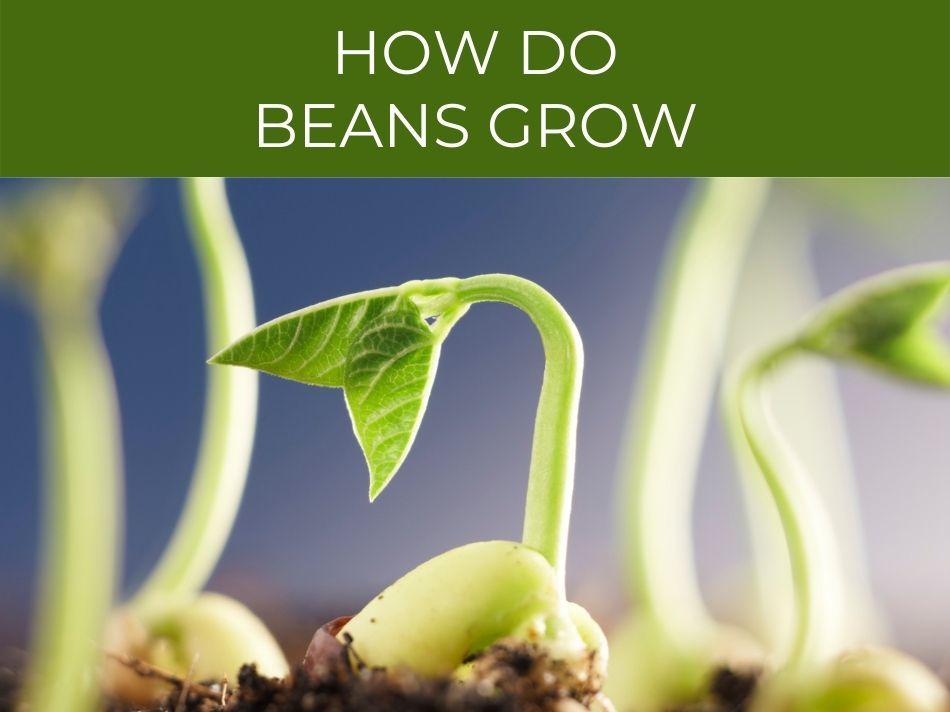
x=729, y=691
x=9, y=688
x=733, y=690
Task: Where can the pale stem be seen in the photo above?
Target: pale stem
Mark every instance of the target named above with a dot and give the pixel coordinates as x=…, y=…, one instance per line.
x=227, y=437
x=807, y=407
x=809, y=536
x=82, y=510
x=675, y=392
x=551, y=474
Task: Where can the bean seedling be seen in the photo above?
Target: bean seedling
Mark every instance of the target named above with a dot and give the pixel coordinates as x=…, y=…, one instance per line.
x=382, y=348
x=664, y=653
x=886, y=323
x=779, y=287
x=169, y=622
x=58, y=247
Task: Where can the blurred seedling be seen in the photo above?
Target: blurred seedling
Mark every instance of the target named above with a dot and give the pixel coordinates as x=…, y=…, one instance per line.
x=778, y=288
x=58, y=246
x=663, y=654
x=170, y=622
x=889, y=324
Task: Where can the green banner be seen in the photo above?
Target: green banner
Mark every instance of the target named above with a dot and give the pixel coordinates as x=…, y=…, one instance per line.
x=736, y=87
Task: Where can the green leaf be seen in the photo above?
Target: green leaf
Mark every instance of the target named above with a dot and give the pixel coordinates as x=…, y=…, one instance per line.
x=890, y=322
x=376, y=346
x=388, y=376
x=311, y=345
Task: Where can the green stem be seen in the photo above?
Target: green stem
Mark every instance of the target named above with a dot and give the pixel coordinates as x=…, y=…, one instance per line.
x=809, y=537
x=807, y=407
x=83, y=482
x=551, y=475
x=676, y=386
x=228, y=432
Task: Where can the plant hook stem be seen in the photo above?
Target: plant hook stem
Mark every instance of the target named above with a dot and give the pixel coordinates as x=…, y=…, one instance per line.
x=551, y=475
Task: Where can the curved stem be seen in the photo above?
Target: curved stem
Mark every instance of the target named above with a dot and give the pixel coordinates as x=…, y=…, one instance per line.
x=83, y=482
x=807, y=407
x=676, y=386
x=809, y=537
x=231, y=401
x=551, y=475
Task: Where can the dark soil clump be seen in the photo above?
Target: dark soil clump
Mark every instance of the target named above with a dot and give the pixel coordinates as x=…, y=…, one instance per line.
x=729, y=691
x=505, y=678
x=9, y=689
x=733, y=690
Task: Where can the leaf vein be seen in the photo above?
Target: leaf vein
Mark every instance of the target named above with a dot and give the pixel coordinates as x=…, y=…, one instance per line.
x=392, y=409
x=290, y=346
x=323, y=344
x=386, y=366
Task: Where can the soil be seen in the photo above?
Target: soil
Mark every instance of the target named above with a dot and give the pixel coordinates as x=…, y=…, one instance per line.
x=508, y=677
x=729, y=691
x=9, y=686
x=505, y=678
